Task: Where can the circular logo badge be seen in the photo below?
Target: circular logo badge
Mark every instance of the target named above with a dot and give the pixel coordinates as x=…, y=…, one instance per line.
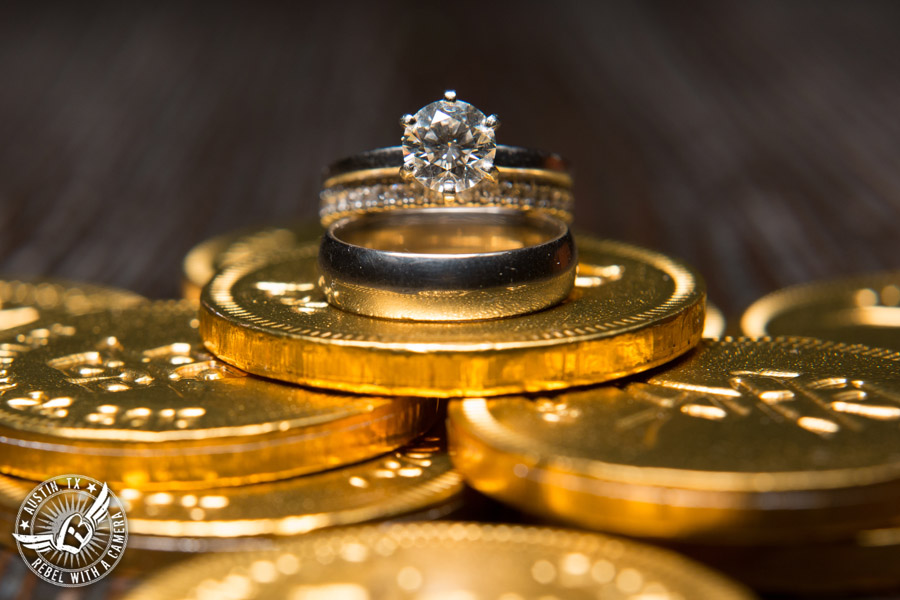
x=71, y=530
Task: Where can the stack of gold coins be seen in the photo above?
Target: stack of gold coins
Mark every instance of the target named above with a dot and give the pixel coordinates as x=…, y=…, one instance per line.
x=200, y=456
x=441, y=346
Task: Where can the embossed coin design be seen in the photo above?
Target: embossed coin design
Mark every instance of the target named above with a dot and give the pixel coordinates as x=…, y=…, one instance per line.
x=71, y=530
x=446, y=560
x=740, y=440
x=31, y=302
x=631, y=309
x=204, y=259
x=132, y=397
x=417, y=479
x=859, y=310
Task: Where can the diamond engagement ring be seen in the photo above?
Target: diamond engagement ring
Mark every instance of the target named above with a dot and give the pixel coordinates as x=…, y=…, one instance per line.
x=448, y=157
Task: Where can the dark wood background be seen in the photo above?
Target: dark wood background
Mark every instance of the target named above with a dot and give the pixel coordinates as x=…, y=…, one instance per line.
x=758, y=140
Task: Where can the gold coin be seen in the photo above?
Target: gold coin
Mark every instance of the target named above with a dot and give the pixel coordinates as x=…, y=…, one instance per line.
x=445, y=560
x=165, y=526
x=631, y=309
x=28, y=302
x=204, y=259
x=739, y=440
x=132, y=397
x=861, y=310
x=714, y=325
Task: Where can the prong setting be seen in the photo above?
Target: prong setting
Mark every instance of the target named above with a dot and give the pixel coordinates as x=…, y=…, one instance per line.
x=493, y=175
x=449, y=146
x=407, y=172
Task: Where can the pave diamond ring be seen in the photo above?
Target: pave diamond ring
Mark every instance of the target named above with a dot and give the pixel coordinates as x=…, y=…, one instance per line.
x=448, y=157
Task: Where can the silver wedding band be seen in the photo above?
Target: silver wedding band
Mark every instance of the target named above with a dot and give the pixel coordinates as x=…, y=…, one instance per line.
x=447, y=264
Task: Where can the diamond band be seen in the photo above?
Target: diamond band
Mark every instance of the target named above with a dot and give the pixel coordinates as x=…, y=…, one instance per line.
x=448, y=158
x=369, y=182
x=344, y=200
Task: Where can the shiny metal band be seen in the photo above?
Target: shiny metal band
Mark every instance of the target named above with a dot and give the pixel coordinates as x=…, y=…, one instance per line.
x=371, y=182
x=447, y=264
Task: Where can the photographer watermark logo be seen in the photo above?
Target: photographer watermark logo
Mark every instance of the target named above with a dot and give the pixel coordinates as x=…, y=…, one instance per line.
x=71, y=530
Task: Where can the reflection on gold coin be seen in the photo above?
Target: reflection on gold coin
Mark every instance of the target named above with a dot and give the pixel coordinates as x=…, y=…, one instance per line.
x=28, y=302
x=714, y=325
x=132, y=397
x=740, y=440
x=631, y=309
x=861, y=310
x=204, y=259
x=416, y=479
x=445, y=560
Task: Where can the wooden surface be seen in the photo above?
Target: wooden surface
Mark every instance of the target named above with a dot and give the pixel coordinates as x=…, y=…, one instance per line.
x=759, y=141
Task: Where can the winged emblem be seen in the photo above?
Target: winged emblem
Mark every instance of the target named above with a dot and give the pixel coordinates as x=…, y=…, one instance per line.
x=76, y=528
